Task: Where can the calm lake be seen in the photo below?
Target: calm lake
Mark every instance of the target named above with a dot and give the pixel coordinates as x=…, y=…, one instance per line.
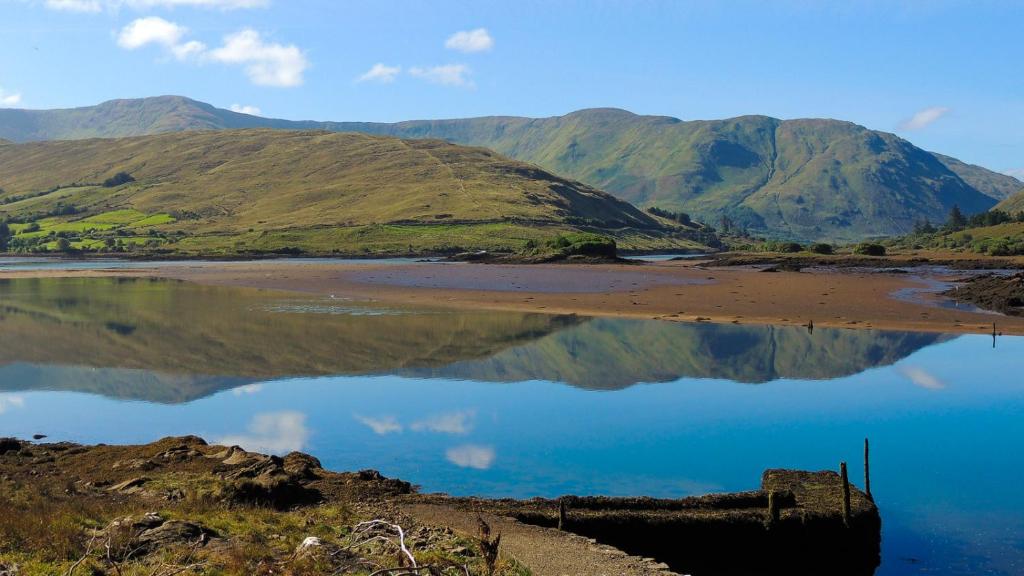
x=509, y=404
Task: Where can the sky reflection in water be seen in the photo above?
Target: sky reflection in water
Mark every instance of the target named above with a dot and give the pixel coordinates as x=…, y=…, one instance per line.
x=525, y=405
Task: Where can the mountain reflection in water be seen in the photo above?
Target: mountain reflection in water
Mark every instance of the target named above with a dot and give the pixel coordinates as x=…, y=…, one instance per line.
x=170, y=342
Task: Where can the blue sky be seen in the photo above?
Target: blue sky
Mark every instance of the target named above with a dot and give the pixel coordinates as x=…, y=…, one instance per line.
x=946, y=75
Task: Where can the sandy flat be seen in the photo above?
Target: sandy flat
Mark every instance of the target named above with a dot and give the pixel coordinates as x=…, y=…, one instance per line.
x=673, y=291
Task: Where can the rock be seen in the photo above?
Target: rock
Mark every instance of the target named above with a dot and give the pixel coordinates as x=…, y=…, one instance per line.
x=129, y=486
x=148, y=533
x=9, y=570
x=309, y=542
x=302, y=465
x=143, y=464
x=9, y=445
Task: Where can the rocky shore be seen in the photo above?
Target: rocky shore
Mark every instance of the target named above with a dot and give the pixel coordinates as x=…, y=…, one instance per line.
x=181, y=506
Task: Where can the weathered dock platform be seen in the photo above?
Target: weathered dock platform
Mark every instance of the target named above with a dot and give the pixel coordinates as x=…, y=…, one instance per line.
x=797, y=523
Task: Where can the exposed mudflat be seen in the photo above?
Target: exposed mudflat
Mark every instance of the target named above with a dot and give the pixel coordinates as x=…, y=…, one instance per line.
x=689, y=291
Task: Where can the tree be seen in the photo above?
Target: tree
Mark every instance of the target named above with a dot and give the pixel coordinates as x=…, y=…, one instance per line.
x=63, y=245
x=5, y=236
x=957, y=220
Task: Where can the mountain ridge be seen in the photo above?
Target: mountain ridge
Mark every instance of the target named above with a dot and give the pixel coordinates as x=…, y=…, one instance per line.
x=814, y=179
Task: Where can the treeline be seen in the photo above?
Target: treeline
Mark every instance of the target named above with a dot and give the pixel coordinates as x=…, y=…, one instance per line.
x=957, y=221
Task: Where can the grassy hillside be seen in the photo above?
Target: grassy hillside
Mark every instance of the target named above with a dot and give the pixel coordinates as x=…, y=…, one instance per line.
x=802, y=179
x=1014, y=203
x=228, y=192
x=805, y=179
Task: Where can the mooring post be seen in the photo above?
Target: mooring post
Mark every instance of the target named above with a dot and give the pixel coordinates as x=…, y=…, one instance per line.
x=867, y=471
x=993, y=334
x=561, y=513
x=773, y=508
x=846, y=493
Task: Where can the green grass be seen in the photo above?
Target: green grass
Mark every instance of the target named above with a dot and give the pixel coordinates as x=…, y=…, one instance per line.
x=121, y=217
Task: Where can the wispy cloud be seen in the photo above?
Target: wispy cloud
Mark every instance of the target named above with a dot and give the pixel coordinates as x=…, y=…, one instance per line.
x=273, y=432
x=468, y=41
x=252, y=111
x=921, y=378
x=247, y=388
x=447, y=75
x=448, y=423
x=381, y=425
x=471, y=456
x=924, y=118
x=9, y=98
x=100, y=5
x=380, y=73
x=266, y=63
x=10, y=401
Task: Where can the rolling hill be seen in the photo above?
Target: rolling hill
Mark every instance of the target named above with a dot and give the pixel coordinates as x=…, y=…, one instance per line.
x=804, y=179
x=210, y=192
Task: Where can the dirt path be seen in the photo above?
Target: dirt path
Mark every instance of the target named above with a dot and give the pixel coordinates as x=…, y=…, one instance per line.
x=544, y=551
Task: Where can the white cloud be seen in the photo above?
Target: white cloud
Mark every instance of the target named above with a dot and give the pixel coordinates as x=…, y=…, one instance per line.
x=471, y=456
x=9, y=98
x=266, y=64
x=380, y=426
x=448, y=423
x=273, y=432
x=11, y=401
x=380, y=73
x=921, y=378
x=247, y=389
x=250, y=110
x=924, y=118
x=478, y=40
x=74, y=5
x=156, y=30
x=447, y=75
x=100, y=5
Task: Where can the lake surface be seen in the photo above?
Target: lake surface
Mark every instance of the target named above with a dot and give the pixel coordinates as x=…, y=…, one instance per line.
x=511, y=404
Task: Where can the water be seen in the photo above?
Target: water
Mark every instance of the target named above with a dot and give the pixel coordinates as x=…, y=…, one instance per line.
x=507, y=404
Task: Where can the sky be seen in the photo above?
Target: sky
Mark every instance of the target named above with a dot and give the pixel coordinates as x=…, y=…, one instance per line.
x=947, y=75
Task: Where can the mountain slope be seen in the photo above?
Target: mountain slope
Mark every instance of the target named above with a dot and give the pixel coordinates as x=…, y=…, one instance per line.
x=806, y=179
x=1014, y=203
x=992, y=184
x=317, y=191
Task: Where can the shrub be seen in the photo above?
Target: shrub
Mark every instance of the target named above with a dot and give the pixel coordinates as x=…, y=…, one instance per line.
x=822, y=248
x=118, y=179
x=869, y=249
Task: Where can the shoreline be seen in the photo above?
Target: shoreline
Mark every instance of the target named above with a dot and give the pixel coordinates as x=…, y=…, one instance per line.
x=681, y=291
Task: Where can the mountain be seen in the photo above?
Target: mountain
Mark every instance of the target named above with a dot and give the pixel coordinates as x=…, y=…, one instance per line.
x=992, y=184
x=208, y=192
x=1014, y=203
x=804, y=179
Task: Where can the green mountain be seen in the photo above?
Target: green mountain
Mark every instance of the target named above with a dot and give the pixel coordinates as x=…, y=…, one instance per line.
x=207, y=192
x=807, y=179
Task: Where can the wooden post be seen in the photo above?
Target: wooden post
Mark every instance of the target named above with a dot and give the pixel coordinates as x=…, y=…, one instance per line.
x=867, y=471
x=561, y=514
x=773, y=508
x=993, y=334
x=846, y=493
